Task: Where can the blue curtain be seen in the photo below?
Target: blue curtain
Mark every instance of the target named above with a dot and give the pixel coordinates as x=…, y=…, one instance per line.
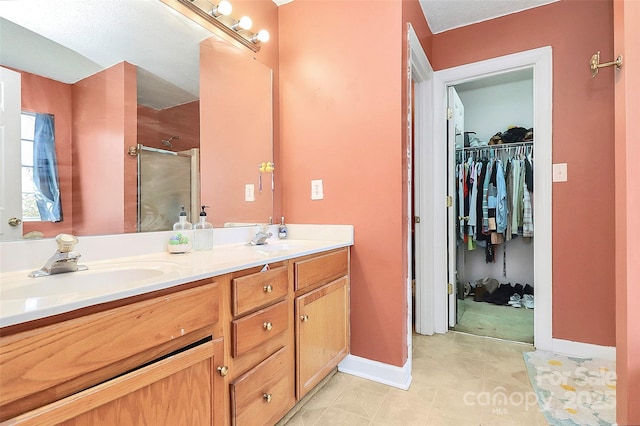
x=45, y=170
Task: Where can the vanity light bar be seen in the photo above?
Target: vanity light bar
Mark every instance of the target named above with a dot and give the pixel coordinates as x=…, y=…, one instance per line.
x=237, y=29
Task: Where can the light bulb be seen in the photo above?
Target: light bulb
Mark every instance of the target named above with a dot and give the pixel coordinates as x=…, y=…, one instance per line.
x=245, y=23
x=223, y=8
x=262, y=36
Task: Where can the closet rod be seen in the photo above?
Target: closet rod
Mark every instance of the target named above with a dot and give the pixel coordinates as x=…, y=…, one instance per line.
x=499, y=146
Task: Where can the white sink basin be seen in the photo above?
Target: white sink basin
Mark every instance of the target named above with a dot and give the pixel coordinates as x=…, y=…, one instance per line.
x=282, y=245
x=97, y=279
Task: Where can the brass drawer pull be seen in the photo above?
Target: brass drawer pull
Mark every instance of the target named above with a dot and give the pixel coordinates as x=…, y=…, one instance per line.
x=224, y=370
x=267, y=397
x=304, y=318
x=268, y=288
x=267, y=326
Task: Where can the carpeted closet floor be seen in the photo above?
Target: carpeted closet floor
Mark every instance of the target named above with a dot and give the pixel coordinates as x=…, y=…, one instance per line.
x=503, y=322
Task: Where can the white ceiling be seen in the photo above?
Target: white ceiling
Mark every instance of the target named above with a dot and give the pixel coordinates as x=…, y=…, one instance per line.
x=93, y=35
x=443, y=15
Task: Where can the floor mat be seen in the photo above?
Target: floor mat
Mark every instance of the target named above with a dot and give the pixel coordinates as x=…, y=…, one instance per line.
x=573, y=391
x=503, y=322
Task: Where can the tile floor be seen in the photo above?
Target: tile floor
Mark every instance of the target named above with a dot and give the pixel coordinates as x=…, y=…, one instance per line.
x=503, y=322
x=458, y=380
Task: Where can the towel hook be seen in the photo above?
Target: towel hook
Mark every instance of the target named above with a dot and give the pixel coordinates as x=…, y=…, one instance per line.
x=596, y=65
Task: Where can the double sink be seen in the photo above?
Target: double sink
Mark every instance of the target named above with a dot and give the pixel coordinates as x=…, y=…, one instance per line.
x=105, y=281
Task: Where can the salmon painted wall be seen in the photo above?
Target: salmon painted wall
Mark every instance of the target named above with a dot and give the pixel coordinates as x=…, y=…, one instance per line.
x=43, y=95
x=181, y=120
x=627, y=131
x=104, y=125
x=130, y=138
x=265, y=16
x=341, y=121
x=583, y=133
x=236, y=130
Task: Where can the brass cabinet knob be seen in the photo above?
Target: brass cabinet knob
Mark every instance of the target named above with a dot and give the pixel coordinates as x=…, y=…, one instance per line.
x=304, y=318
x=267, y=288
x=224, y=370
x=267, y=326
x=267, y=397
x=14, y=221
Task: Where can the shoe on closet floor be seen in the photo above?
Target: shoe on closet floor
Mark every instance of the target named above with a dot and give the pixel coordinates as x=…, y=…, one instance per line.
x=527, y=301
x=514, y=299
x=518, y=288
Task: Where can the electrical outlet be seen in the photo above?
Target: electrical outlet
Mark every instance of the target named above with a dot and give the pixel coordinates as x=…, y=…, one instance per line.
x=317, y=192
x=249, y=192
x=560, y=172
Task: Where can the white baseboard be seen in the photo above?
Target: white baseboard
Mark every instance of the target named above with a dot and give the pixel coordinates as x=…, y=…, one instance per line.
x=398, y=377
x=583, y=350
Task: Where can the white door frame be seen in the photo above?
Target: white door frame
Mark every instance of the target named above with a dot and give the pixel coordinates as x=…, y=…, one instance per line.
x=433, y=291
x=421, y=73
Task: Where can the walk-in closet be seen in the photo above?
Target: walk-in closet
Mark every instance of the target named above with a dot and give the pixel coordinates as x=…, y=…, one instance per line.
x=493, y=199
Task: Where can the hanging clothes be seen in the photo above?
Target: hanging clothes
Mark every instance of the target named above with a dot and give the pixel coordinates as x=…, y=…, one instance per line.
x=494, y=197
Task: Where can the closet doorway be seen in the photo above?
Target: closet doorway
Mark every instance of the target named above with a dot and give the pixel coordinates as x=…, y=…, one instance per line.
x=435, y=265
x=490, y=166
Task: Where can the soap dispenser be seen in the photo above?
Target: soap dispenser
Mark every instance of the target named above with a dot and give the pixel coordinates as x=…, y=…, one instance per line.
x=180, y=241
x=203, y=232
x=282, y=229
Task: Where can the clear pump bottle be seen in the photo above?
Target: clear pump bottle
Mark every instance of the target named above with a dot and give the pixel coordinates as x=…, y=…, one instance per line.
x=180, y=241
x=203, y=232
x=282, y=229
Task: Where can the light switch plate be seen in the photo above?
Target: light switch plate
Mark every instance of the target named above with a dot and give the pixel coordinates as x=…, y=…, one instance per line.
x=317, y=192
x=249, y=192
x=560, y=172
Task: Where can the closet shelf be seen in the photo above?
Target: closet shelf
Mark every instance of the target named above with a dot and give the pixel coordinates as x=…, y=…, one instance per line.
x=499, y=146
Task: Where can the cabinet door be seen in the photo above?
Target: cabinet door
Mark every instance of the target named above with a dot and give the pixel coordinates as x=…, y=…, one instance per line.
x=40, y=366
x=322, y=333
x=178, y=390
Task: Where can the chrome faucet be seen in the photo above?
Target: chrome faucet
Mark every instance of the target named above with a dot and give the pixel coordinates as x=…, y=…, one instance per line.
x=65, y=259
x=261, y=236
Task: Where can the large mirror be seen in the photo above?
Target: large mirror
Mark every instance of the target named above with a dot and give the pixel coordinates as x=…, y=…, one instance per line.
x=123, y=78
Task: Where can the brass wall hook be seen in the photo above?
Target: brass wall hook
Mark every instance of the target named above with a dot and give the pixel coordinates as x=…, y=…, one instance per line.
x=596, y=65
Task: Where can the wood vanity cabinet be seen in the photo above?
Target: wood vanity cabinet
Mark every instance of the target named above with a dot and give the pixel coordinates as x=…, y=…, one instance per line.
x=144, y=360
x=258, y=312
x=322, y=316
x=238, y=349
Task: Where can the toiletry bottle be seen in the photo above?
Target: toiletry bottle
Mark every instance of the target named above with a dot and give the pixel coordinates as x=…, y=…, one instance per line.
x=282, y=229
x=181, y=240
x=203, y=233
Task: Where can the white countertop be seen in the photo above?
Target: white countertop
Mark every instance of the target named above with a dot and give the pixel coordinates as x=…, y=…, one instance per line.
x=24, y=299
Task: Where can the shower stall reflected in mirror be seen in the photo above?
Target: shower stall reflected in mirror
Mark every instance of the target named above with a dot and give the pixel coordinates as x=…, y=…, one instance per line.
x=167, y=180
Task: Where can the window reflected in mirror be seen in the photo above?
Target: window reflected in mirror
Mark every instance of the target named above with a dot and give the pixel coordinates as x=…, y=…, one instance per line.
x=39, y=168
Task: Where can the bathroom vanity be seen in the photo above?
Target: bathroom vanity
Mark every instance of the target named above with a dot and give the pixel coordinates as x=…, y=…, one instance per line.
x=237, y=335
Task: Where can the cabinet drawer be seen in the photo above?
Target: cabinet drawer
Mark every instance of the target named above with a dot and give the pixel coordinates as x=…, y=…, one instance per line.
x=263, y=394
x=257, y=290
x=171, y=391
x=254, y=329
x=49, y=363
x=321, y=269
